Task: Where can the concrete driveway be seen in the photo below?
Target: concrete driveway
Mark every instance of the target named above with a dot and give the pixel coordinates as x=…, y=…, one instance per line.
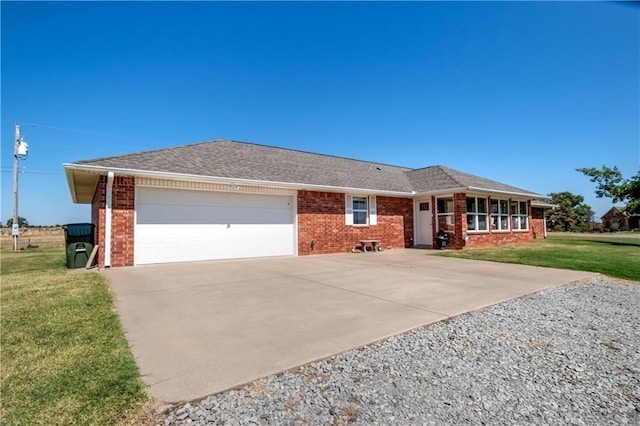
x=201, y=328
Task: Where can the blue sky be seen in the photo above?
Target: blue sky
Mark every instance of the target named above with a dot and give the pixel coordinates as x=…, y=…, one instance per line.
x=522, y=93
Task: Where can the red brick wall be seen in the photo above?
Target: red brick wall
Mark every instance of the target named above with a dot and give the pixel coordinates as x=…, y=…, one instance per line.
x=537, y=222
x=456, y=240
x=321, y=218
x=122, y=219
x=495, y=238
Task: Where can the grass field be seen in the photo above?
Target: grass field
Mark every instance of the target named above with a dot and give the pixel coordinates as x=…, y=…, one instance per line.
x=610, y=255
x=64, y=356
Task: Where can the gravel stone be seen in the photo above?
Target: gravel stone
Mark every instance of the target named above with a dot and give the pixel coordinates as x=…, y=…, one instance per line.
x=567, y=355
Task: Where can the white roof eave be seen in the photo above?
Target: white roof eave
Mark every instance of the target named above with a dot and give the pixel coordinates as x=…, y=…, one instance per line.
x=201, y=178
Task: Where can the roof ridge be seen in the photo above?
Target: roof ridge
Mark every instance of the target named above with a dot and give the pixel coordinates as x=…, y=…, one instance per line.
x=445, y=170
x=422, y=168
x=313, y=153
x=403, y=168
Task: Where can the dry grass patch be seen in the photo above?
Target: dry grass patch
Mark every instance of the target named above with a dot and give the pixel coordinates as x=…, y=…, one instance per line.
x=40, y=237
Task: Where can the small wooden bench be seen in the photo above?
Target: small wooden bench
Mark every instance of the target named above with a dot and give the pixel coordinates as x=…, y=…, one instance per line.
x=375, y=245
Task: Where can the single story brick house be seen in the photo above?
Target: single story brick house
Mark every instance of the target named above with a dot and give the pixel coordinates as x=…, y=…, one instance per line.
x=226, y=199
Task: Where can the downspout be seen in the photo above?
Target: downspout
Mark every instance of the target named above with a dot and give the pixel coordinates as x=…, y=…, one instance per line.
x=107, y=221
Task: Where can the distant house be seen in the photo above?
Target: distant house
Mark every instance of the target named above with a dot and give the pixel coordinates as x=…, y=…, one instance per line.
x=616, y=219
x=227, y=199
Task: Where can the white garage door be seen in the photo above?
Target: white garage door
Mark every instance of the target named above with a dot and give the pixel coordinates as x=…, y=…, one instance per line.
x=174, y=225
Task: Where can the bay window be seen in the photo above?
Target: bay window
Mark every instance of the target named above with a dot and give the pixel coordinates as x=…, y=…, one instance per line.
x=477, y=214
x=445, y=213
x=519, y=215
x=500, y=215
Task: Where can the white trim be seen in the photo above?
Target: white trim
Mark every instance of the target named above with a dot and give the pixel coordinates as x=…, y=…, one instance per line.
x=261, y=183
x=476, y=215
x=135, y=221
x=72, y=185
x=526, y=215
x=274, y=184
x=349, y=219
x=439, y=193
x=416, y=204
x=542, y=205
x=294, y=208
x=373, y=211
x=212, y=186
x=107, y=220
x=500, y=215
x=348, y=210
x=527, y=195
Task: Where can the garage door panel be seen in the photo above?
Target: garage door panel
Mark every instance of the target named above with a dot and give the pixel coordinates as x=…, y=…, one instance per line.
x=180, y=225
x=158, y=206
x=172, y=214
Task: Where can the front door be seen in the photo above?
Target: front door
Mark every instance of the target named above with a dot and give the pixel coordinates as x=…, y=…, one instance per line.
x=424, y=234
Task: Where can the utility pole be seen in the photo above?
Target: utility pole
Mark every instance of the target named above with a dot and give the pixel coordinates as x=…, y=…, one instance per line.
x=20, y=150
x=15, y=230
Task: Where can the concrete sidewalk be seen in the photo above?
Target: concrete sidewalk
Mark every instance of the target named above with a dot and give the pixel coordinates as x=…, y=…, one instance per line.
x=201, y=328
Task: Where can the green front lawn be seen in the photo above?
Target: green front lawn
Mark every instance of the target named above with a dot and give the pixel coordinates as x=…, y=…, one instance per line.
x=609, y=255
x=64, y=356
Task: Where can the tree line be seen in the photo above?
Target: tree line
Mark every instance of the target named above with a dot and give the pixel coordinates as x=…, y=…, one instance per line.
x=572, y=214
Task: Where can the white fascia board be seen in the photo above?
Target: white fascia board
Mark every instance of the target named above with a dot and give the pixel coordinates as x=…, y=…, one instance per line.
x=440, y=192
x=483, y=190
x=543, y=205
x=72, y=184
x=184, y=176
x=497, y=191
x=108, y=219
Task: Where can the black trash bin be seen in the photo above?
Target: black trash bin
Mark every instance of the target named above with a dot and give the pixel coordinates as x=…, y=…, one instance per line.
x=79, y=240
x=443, y=239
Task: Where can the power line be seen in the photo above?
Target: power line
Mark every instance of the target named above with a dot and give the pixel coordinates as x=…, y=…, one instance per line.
x=111, y=135
x=71, y=129
x=33, y=173
x=39, y=169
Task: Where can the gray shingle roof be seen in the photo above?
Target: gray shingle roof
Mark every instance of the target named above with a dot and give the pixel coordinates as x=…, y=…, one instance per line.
x=241, y=160
x=437, y=178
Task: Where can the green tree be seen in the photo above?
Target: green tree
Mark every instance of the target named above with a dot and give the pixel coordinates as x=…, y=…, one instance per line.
x=22, y=222
x=611, y=184
x=571, y=213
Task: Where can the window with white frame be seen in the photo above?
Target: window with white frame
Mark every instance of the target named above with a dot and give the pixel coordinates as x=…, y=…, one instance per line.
x=519, y=215
x=360, y=210
x=445, y=213
x=499, y=215
x=477, y=214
